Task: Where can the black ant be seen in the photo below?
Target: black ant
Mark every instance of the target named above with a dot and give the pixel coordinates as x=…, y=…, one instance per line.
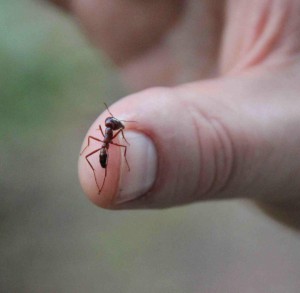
x=112, y=124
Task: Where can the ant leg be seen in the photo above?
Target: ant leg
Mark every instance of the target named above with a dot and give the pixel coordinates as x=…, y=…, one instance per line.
x=122, y=132
x=101, y=130
x=103, y=178
x=123, y=146
x=89, y=138
x=124, y=137
x=86, y=157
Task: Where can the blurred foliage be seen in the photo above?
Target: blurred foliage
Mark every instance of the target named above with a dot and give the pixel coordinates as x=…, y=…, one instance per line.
x=46, y=69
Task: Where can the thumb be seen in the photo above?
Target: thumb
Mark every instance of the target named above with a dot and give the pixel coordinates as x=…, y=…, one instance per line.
x=210, y=140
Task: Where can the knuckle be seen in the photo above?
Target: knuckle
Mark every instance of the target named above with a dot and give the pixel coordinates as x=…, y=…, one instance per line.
x=217, y=156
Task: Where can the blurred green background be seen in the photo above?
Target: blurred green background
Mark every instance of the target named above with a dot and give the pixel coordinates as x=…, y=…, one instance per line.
x=52, y=87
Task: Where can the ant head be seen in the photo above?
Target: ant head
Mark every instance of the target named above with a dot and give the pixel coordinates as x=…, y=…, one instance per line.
x=113, y=123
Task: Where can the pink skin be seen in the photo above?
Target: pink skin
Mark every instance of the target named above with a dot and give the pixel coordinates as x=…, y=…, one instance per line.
x=243, y=125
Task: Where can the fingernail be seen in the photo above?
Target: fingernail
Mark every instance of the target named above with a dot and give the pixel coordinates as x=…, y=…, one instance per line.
x=142, y=160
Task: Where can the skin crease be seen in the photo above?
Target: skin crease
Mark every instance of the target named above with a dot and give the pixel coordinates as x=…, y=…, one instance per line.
x=245, y=118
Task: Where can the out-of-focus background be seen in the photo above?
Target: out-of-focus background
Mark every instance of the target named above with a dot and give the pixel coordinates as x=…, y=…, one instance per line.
x=52, y=87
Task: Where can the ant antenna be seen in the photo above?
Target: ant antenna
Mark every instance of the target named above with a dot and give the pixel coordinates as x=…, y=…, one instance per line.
x=128, y=121
x=114, y=116
x=108, y=110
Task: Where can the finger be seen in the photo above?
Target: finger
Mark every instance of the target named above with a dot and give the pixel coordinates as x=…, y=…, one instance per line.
x=151, y=37
x=64, y=4
x=201, y=141
x=125, y=29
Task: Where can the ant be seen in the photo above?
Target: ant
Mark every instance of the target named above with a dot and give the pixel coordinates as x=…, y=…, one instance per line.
x=112, y=124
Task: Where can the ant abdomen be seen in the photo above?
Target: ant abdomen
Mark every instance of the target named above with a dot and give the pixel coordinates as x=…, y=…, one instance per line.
x=103, y=158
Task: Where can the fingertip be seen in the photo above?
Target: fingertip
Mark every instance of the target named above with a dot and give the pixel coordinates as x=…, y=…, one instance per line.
x=148, y=141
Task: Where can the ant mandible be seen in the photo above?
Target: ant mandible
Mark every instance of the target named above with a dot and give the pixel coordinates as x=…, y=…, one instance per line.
x=112, y=124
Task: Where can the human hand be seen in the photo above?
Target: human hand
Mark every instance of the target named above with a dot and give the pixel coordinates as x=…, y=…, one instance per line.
x=233, y=136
